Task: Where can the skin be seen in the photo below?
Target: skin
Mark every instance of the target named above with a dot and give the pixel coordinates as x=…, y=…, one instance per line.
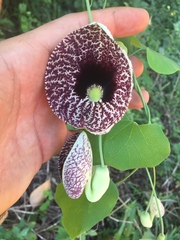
x=30, y=133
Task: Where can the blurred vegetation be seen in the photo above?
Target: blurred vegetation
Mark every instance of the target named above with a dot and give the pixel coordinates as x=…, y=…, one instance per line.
x=162, y=35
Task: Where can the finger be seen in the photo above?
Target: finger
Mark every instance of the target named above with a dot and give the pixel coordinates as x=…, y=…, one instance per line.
x=136, y=102
x=121, y=21
x=138, y=66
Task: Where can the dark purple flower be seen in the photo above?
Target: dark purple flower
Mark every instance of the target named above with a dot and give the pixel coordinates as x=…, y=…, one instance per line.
x=88, y=80
x=75, y=164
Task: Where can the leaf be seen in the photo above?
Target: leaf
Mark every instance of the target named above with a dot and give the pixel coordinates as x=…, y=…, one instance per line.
x=126, y=41
x=80, y=215
x=135, y=42
x=37, y=196
x=160, y=63
x=129, y=145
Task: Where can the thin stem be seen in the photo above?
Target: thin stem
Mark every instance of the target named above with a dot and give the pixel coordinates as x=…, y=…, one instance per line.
x=101, y=151
x=146, y=108
x=154, y=193
x=104, y=3
x=124, y=179
x=89, y=11
x=154, y=184
x=138, y=50
x=121, y=206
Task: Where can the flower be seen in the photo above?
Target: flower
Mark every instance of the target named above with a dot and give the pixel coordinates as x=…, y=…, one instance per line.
x=75, y=164
x=88, y=79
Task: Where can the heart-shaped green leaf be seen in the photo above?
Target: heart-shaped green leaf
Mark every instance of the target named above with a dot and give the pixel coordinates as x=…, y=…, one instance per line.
x=160, y=63
x=80, y=215
x=129, y=145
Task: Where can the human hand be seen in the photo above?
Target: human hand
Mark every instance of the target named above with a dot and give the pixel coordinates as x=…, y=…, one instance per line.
x=30, y=133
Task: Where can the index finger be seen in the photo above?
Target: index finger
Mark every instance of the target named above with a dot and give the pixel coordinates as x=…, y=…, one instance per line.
x=121, y=21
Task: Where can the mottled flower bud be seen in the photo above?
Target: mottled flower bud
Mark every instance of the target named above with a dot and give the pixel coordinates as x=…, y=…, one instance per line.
x=75, y=164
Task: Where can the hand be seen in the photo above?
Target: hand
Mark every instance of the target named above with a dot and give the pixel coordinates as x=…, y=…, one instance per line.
x=30, y=133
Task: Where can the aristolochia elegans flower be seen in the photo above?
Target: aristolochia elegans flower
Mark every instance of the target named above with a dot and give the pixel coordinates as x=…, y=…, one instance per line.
x=88, y=79
x=75, y=164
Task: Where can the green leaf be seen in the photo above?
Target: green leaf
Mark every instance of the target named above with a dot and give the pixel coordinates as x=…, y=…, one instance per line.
x=126, y=41
x=80, y=215
x=129, y=145
x=160, y=63
x=135, y=42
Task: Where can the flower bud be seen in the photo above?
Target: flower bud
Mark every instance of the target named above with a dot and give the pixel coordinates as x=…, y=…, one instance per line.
x=75, y=164
x=145, y=219
x=97, y=184
x=161, y=236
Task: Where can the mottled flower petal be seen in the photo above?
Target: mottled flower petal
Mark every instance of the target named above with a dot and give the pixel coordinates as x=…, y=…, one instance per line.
x=65, y=151
x=75, y=164
x=85, y=58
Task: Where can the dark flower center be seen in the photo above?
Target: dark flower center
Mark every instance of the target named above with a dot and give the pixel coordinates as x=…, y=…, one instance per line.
x=96, y=74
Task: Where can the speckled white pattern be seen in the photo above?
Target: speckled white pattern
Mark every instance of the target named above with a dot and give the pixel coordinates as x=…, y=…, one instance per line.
x=88, y=44
x=77, y=167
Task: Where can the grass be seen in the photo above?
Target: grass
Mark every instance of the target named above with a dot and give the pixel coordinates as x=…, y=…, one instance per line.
x=162, y=35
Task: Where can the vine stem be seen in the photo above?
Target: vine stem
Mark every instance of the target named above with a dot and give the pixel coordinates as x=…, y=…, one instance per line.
x=89, y=11
x=125, y=178
x=100, y=150
x=154, y=193
x=154, y=184
x=148, y=115
x=104, y=4
x=146, y=108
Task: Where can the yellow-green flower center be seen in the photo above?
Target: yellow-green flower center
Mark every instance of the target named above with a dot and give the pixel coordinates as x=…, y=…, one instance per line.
x=95, y=93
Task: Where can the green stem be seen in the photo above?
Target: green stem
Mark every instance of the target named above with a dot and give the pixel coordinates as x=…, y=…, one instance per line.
x=135, y=52
x=146, y=108
x=104, y=4
x=154, y=193
x=89, y=11
x=154, y=184
x=100, y=150
x=124, y=179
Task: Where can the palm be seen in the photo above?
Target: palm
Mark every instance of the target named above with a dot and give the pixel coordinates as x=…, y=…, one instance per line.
x=32, y=133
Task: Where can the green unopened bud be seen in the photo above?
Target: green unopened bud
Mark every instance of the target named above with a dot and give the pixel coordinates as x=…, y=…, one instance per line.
x=97, y=184
x=145, y=219
x=161, y=236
